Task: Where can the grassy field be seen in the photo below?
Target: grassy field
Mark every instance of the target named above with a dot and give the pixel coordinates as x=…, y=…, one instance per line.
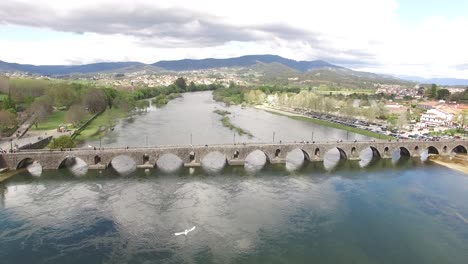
x=102, y=124
x=54, y=120
x=335, y=125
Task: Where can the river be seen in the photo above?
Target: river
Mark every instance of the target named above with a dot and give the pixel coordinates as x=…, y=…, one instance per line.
x=392, y=211
x=191, y=119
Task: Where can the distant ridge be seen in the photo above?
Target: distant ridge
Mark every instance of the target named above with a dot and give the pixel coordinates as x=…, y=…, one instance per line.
x=176, y=65
x=438, y=81
x=65, y=69
x=243, y=61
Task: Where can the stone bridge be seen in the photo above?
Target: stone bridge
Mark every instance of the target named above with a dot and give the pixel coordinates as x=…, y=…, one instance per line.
x=192, y=156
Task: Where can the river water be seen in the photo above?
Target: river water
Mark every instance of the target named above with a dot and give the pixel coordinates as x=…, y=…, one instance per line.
x=403, y=211
x=191, y=119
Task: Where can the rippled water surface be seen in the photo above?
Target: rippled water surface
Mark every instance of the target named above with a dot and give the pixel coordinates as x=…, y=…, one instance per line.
x=406, y=213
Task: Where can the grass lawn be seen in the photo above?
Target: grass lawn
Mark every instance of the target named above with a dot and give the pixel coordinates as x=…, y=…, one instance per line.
x=101, y=124
x=54, y=120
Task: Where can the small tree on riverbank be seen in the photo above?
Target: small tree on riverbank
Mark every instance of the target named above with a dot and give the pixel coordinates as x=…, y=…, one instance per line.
x=95, y=100
x=75, y=114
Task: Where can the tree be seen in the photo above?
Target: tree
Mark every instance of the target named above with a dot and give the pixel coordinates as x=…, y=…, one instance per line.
x=443, y=94
x=192, y=87
x=432, y=92
x=75, y=114
x=7, y=120
x=40, y=109
x=63, y=96
x=95, y=100
x=181, y=83
x=9, y=104
x=62, y=142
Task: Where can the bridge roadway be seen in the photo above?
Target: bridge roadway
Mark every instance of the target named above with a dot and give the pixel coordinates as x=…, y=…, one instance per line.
x=192, y=156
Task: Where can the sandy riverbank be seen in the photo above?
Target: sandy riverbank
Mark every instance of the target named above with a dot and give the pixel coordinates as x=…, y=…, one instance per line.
x=458, y=163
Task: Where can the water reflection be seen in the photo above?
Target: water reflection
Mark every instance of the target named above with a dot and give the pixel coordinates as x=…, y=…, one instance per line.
x=272, y=215
x=213, y=162
x=295, y=159
x=169, y=163
x=124, y=165
x=255, y=161
x=332, y=158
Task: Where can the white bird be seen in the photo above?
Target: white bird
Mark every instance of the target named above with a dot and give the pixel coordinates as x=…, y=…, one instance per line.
x=185, y=232
x=99, y=186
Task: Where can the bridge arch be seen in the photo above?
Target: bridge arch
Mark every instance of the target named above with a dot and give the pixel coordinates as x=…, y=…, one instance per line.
x=77, y=166
x=404, y=152
x=296, y=158
x=3, y=163
x=306, y=155
x=24, y=163
x=66, y=162
x=460, y=149
x=375, y=152
x=386, y=151
x=256, y=160
x=342, y=153
x=317, y=153
x=97, y=160
x=432, y=150
x=277, y=153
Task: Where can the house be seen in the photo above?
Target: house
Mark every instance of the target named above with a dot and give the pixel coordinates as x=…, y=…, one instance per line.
x=437, y=118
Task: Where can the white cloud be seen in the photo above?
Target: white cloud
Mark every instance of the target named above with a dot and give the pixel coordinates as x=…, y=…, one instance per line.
x=362, y=34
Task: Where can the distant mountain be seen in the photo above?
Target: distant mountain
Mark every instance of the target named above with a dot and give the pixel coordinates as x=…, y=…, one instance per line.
x=438, y=81
x=272, y=69
x=65, y=69
x=244, y=61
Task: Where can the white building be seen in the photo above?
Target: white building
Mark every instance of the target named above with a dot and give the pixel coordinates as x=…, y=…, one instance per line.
x=436, y=117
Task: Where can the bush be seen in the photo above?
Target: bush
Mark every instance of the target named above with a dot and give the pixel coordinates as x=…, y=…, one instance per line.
x=62, y=142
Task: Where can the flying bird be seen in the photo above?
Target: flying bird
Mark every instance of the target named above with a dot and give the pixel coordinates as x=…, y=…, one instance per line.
x=185, y=232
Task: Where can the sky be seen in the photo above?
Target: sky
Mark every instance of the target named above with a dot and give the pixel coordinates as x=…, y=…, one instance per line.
x=425, y=38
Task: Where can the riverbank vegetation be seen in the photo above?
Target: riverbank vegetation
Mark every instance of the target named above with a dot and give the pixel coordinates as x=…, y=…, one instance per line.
x=50, y=103
x=226, y=121
x=62, y=142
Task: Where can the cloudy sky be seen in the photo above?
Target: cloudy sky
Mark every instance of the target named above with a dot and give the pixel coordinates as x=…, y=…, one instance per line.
x=419, y=37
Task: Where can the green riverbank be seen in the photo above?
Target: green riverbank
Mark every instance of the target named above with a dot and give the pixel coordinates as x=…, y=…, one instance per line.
x=226, y=121
x=325, y=123
x=101, y=125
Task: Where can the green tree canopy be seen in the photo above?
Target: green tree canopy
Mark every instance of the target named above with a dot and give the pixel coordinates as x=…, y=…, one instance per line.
x=62, y=142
